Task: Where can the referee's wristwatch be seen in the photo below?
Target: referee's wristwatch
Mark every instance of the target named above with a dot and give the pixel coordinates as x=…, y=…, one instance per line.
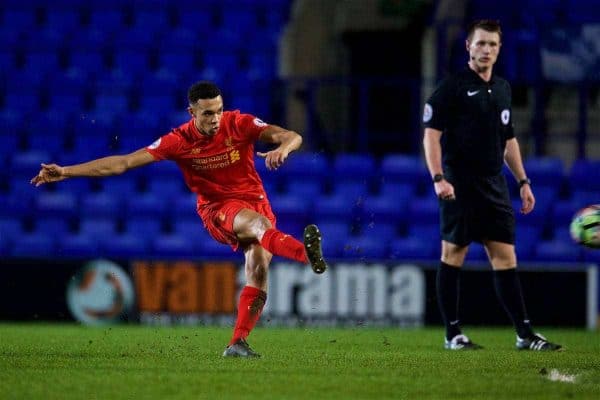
x=438, y=178
x=524, y=181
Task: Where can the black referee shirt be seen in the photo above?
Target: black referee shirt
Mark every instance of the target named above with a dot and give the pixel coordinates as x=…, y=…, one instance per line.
x=475, y=119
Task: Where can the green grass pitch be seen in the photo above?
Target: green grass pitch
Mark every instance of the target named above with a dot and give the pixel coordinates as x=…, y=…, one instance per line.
x=54, y=361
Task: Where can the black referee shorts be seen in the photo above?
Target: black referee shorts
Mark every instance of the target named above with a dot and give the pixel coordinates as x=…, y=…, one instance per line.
x=482, y=211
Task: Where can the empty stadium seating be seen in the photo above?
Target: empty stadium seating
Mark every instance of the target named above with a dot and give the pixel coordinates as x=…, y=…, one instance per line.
x=101, y=77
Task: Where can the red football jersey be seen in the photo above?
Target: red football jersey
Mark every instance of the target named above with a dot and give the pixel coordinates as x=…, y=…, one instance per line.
x=218, y=167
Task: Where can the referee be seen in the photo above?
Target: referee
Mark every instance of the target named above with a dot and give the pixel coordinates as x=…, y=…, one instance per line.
x=468, y=135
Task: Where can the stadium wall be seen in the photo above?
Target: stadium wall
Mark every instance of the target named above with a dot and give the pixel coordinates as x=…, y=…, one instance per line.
x=402, y=294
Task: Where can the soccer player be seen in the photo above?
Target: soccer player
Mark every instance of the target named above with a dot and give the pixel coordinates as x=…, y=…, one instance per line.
x=468, y=135
x=214, y=151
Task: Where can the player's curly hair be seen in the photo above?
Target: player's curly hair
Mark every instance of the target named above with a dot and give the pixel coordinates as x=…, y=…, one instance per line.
x=203, y=90
x=489, y=25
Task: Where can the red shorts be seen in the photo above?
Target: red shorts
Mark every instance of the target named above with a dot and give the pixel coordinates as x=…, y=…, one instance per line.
x=218, y=218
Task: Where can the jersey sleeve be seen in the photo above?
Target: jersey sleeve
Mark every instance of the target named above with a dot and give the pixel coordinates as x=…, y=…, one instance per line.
x=436, y=109
x=509, y=132
x=251, y=126
x=166, y=147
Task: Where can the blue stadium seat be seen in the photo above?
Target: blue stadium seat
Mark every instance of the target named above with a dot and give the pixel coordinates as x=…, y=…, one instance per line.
x=425, y=232
x=334, y=206
x=47, y=39
x=144, y=226
x=93, y=37
x=42, y=62
x=93, y=62
x=91, y=138
x=131, y=62
x=527, y=238
x=79, y=245
x=175, y=246
x=336, y=234
x=27, y=163
x=166, y=186
x=125, y=245
x=400, y=191
x=24, y=82
x=563, y=212
x=290, y=207
x=160, y=103
x=62, y=204
x=213, y=249
x=424, y=210
x=382, y=208
x=52, y=225
x=306, y=166
x=476, y=253
x=11, y=227
x=24, y=103
x=100, y=227
x=585, y=174
x=366, y=247
x=354, y=167
x=19, y=201
x=117, y=103
x=558, y=250
x=19, y=20
x=413, y=248
x=101, y=204
x=307, y=189
x=385, y=231
x=162, y=82
x=189, y=227
x=243, y=19
x=68, y=20
x=404, y=169
x=356, y=190
x=181, y=62
x=545, y=171
x=201, y=21
x=123, y=186
x=34, y=245
x=228, y=62
x=184, y=207
x=8, y=59
x=147, y=205
x=108, y=20
x=155, y=20
x=64, y=104
x=182, y=38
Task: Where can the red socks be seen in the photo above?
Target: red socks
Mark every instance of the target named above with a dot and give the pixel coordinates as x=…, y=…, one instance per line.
x=281, y=244
x=252, y=301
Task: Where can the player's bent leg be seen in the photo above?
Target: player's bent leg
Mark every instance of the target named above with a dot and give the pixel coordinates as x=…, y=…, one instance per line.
x=314, y=251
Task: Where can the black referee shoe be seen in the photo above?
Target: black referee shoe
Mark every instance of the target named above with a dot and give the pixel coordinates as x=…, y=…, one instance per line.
x=312, y=245
x=537, y=343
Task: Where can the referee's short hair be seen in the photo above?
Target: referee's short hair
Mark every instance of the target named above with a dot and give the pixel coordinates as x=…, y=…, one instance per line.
x=489, y=25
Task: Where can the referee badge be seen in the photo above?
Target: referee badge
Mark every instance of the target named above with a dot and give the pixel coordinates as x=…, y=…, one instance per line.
x=505, y=116
x=427, y=112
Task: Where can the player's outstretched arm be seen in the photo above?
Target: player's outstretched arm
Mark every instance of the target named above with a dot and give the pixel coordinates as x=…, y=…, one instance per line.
x=288, y=141
x=107, y=166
